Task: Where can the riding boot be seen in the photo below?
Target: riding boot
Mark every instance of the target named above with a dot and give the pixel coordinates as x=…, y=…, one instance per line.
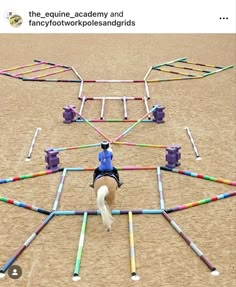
x=94, y=177
x=120, y=183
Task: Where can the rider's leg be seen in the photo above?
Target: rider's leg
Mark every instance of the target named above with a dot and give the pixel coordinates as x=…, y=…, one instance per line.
x=95, y=174
x=115, y=171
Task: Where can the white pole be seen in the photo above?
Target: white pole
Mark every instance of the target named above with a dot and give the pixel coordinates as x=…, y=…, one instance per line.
x=82, y=106
x=148, y=72
x=193, y=144
x=125, y=108
x=147, y=90
x=77, y=74
x=146, y=105
x=115, y=98
x=103, y=108
x=81, y=89
x=32, y=144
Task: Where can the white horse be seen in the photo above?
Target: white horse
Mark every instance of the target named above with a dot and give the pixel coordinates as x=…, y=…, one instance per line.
x=105, y=188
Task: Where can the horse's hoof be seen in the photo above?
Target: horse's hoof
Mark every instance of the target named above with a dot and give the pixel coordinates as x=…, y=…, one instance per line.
x=108, y=229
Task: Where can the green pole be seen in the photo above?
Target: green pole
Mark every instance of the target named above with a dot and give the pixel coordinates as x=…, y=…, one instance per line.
x=76, y=276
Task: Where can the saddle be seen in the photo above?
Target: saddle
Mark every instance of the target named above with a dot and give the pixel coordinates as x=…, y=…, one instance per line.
x=108, y=173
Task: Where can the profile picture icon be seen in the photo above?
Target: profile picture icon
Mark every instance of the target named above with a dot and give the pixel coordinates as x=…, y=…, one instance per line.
x=9, y=13
x=15, y=20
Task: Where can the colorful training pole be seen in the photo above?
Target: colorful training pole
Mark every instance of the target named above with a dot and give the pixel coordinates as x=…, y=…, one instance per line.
x=114, y=212
x=91, y=125
x=160, y=188
x=113, y=121
x=134, y=275
x=135, y=124
x=200, y=202
x=140, y=144
x=76, y=147
x=50, y=74
x=25, y=245
x=32, y=144
x=24, y=205
x=22, y=67
x=193, y=144
x=76, y=276
x=198, y=175
x=30, y=175
x=128, y=167
x=191, y=244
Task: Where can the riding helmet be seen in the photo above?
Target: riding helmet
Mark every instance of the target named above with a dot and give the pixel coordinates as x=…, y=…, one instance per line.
x=105, y=144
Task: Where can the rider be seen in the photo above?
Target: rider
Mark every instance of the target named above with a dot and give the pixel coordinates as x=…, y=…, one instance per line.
x=105, y=157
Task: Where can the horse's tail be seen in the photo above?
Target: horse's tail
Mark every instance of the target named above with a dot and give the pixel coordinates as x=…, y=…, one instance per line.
x=107, y=218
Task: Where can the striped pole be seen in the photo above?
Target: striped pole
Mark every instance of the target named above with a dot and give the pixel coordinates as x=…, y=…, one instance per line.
x=135, y=124
x=103, y=108
x=25, y=245
x=134, y=275
x=113, y=121
x=114, y=212
x=24, y=205
x=217, y=71
x=76, y=147
x=82, y=106
x=50, y=80
x=59, y=191
x=160, y=188
x=91, y=125
x=202, y=201
x=76, y=276
x=199, y=64
x=50, y=74
x=198, y=175
x=188, y=68
x=37, y=70
x=191, y=244
x=21, y=67
x=170, y=62
x=146, y=106
x=193, y=143
x=32, y=144
x=147, y=90
x=141, y=144
x=52, y=64
x=119, y=168
x=30, y=175
x=173, y=79
x=174, y=72
x=125, y=108
x=10, y=75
